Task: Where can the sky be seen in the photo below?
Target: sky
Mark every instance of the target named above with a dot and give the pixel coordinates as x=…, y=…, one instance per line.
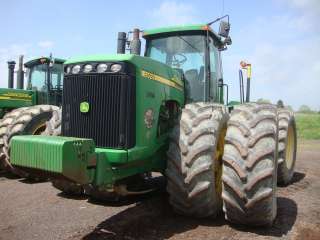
x=280, y=38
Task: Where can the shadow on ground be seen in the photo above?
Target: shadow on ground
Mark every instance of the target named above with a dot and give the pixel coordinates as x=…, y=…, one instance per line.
x=33, y=181
x=297, y=177
x=286, y=217
x=153, y=218
x=8, y=175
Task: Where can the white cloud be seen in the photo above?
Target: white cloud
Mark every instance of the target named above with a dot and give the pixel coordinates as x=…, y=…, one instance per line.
x=307, y=11
x=284, y=51
x=311, y=7
x=46, y=44
x=173, y=13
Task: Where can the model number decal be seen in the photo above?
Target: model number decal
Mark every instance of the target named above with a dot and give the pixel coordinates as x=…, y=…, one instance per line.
x=154, y=77
x=16, y=96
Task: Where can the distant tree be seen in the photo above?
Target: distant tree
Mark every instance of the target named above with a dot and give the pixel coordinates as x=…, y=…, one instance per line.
x=262, y=100
x=290, y=107
x=305, y=109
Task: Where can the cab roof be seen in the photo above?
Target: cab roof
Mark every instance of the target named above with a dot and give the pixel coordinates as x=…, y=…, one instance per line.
x=41, y=60
x=156, y=32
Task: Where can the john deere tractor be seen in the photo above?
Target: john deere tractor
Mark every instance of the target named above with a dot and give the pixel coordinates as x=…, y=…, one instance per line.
x=125, y=115
x=26, y=111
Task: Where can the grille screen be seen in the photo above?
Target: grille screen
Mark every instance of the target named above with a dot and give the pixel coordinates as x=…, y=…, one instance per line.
x=110, y=121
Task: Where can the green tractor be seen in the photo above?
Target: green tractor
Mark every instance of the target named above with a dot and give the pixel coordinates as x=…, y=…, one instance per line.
x=125, y=115
x=26, y=111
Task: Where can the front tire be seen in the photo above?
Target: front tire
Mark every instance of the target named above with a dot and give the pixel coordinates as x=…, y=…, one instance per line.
x=194, y=163
x=250, y=165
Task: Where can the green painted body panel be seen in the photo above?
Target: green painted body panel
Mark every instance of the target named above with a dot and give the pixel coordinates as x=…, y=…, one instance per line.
x=149, y=151
x=64, y=156
x=234, y=103
x=15, y=98
x=152, y=90
x=75, y=159
x=180, y=28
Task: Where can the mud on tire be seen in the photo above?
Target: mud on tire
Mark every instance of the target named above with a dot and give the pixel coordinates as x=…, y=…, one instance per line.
x=250, y=165
x=194, y=163
x=287, y=145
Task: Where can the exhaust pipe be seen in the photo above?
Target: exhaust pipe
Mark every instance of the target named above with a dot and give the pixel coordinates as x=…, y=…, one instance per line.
x=20, y=77
x=247, y=66
x=122, y=39
x=11, y=65
x=135, y=45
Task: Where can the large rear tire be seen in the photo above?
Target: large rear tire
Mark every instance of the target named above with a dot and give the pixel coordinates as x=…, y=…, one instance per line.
x=53, y=128
x=250, y=165
x=24, y=121
x=194, y=165
x=287, y=146
x=4, y=123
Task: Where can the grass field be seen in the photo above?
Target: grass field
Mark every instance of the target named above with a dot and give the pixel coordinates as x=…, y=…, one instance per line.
x=308, y=125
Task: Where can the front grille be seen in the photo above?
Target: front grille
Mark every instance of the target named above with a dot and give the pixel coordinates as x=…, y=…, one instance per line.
x=110, y=121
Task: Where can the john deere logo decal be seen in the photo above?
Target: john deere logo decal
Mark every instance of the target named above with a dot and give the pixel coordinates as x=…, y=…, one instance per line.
x=84, y=107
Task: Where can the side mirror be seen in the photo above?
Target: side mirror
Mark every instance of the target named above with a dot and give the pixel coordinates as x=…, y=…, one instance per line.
x=228, y=41
x=224, y=29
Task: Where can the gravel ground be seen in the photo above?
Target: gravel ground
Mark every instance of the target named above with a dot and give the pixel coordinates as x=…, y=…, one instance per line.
x=38, y=211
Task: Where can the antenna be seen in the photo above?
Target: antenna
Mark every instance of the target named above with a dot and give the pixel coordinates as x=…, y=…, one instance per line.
x=218, y=19
x=222, y=7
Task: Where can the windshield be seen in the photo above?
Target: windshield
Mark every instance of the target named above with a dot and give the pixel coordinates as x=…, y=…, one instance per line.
x=38, y=77
x=185, y=53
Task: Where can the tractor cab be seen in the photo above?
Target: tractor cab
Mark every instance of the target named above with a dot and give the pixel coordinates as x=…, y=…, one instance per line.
x=45, y=76
x=193, y=50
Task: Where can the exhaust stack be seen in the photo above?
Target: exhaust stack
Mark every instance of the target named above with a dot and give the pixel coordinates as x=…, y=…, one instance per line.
x=122, y=39
x=135, y=45
x=11, y=65
x=20, y=76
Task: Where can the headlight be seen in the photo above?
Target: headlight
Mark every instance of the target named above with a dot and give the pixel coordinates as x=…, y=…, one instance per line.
x=116, y=67
x=102, y=67
x=87, y=68
x=76, y=69
x=68, y=70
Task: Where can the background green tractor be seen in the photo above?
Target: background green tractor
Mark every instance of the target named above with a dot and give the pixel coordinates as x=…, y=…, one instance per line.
x=25, y=111
x=124, y=116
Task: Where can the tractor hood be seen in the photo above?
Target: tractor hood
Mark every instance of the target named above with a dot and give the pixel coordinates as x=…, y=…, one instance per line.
x=145, y=67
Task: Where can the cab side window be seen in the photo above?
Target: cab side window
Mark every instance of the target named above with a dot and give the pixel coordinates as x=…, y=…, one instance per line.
x=214, y=70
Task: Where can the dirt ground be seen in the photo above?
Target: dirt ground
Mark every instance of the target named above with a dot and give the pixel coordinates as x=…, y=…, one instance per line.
x=38, y=211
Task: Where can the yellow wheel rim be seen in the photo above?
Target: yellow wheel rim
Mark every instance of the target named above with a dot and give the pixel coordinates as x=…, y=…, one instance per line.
x=39, y=129
x=290, y=147
x=218, y=162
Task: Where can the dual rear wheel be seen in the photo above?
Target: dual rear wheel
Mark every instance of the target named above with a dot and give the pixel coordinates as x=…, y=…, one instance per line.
x=215, y=159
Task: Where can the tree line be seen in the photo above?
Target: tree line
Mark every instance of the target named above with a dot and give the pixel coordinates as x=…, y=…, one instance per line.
x=302, y=109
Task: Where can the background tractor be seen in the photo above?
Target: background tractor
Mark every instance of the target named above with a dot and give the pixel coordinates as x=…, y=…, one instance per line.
x=25, y=111
x=125, y=115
